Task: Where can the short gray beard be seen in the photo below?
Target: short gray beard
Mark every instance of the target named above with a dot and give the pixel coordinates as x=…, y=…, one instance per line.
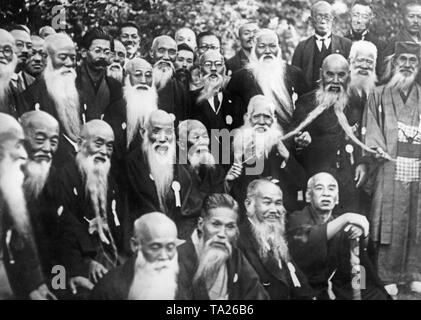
x=11, y=189
x=62, y=90
x=271, y=79
x=210, y=262
x=115, y=74
x=161, y=78
x=161, y=168
x=401, y=82
x=274, y=235
x=139, y=106
x=6, y=73
x=95, y=177
x=201, y=158
x=150, y=283
x=210, y=88
x=36, y=175
x=362, y=84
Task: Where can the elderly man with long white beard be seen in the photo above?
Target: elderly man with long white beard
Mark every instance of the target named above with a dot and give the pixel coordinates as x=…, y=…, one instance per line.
x=8, y=61
x=20, y=270
x=92, y=213
x=153, y=273
x=263, y=242
x=260, y=153
x=393, y=125
x=269, y=75
x=56, y=93
x=218, y=269
x=334, y=129
x=173, y=97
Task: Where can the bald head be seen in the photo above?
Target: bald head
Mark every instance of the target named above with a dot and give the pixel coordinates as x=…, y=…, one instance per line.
x=187, y=36
x=139, y=72
x=38, y=119
x=57, y=42
x=46, y=31
x=6, y=38
x=95, y=127
x=163, y=48
x=7, y=42
x=11, y=138
x=335, y=73
x=191, y=132
x=9, y=125
x=162, y=119
x=97, y=141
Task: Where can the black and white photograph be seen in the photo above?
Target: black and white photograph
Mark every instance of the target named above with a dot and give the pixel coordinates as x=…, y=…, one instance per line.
x=195, y=150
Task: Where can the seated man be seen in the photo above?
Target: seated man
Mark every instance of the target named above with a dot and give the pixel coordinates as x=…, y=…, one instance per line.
x=328, y=249
x=153, y=272
x=91, y=226
x=219, y=270
x=263, y=242
x=258, y=147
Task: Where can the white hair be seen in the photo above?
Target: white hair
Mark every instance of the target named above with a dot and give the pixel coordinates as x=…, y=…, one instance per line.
x=364, y=46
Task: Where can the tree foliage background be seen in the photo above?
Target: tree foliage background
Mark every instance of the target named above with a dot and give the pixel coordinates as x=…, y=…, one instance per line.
x=154, y=17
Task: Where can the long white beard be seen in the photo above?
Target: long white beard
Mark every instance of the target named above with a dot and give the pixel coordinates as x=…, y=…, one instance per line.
x=162, y=76
x=362, y=84
x=263, y=142
x=201, y=157
x=327, y=98
x=151, y=282
x=62, y=88
x=6, y=73
x=36, y=175
x=139, y=106
x=115, y=73
x=161, y=167
x=95, y=176
x=401, y=82
x=211, y=259
x=270, y=76
x=210, y=87
x=11, y=181
x=272, y=234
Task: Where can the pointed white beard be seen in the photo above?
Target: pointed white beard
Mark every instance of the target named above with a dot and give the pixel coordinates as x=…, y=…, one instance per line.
x=327, y=98
x=401, y=82
x=199, y=158
x=270, y=76
x=6, y=73
x=115, y=73
x=95, y=176
x=36, y=175
x=360, y=83
x=154, y=280
x=139, y=106
x=62, y=88
x=272, y=234
x=210, y=87
x=162, y=76
x=11, y=181
x=211, y=259
x=161, y=167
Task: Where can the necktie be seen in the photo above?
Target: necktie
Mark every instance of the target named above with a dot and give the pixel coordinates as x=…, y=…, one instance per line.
x=216, y=102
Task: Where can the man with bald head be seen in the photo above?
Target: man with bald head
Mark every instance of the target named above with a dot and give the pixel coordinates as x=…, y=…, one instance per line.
x=46, y=31
x=269, y=75
x=172, y=95
x=153, y=273
x=91, y=222
x=320, y=243
x=331, y=148
x=187, y=36
x=117, y=61
x=215, y=107
x=310, y=53
x=56, y=93
x=246, y=34
x=8, y=60
x=19, y=252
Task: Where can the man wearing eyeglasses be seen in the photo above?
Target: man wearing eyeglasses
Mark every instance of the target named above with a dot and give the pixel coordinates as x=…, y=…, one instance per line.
x=311, y=52
x=23, y=44
x=97, y=89
x=361, y=16
x=207, y=41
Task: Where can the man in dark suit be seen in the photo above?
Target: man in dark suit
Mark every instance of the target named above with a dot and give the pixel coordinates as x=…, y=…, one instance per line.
x=263, y=242
x=246, y=33
x=311, y=52
x=361, y=16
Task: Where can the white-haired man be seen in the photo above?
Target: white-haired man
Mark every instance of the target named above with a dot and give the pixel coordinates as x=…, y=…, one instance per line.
x=259, y=152
x=153, y=273
x=56, y=93
x=218, y=269
x=172, y=95
x=187, y=36
x=92, y=212
x=393, y=126
x=117, y=61
x=268, y=74
x=310, y=53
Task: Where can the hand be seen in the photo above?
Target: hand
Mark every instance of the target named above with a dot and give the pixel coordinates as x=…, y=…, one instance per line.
x=360, y=174
x=283, y=151
x=234, y=172
x=381, y=154
x=82, y=282
x=359, y=220
x=354, y=232
x=42, y=293
x=302, y=140
x=96, y=271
